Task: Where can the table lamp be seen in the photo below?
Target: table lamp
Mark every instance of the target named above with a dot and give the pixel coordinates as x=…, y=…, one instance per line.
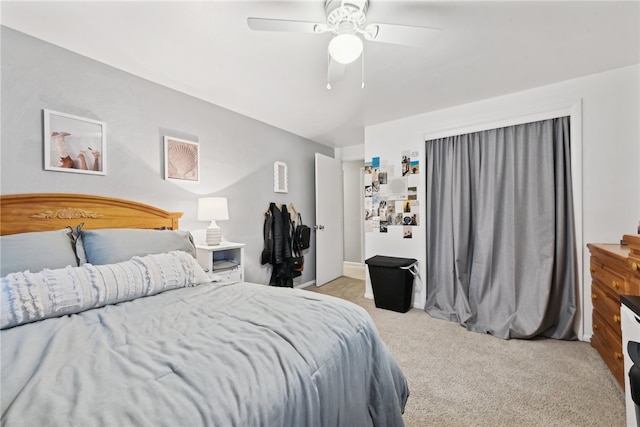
x=213, y=209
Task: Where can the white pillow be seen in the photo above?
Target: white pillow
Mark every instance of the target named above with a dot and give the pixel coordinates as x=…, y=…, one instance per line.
x=27, y=297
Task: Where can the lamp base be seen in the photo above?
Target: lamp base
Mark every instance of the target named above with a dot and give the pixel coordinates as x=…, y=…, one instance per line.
x=214, y=236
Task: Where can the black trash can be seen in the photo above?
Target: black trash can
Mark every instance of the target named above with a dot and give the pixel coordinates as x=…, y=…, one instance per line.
x=392, y=282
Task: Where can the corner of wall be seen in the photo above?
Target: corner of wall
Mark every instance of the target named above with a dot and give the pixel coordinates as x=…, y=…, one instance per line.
x=352, y=152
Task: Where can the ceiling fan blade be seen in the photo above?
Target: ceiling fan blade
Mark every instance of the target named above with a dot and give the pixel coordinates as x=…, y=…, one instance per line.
x=402, y=34
x=263, y=24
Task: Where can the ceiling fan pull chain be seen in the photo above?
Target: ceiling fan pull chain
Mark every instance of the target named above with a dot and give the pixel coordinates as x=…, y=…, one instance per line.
x=328, y=71
x=362, y=62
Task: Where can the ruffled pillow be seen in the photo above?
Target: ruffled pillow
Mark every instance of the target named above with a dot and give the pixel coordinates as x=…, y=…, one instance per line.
x=27, y=297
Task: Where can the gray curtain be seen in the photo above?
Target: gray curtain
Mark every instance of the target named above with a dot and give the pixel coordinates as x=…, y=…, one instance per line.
x=501, y=256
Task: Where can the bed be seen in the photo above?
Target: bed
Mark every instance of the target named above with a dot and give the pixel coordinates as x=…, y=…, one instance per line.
x=133, y=333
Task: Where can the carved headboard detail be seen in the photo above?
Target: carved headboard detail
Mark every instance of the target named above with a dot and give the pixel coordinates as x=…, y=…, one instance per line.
x=21, y=213
x=67, y=213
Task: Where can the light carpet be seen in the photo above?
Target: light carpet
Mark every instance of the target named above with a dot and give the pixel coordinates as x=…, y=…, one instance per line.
x=462, y=378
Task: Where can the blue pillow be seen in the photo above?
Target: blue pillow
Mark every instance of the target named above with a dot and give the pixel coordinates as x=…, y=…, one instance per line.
x=112, y=245
x=37, y=251
x=27, y=297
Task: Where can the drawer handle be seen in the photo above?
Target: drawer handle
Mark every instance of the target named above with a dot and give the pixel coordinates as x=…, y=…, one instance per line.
x=616, y=318
x=615, y=284
x=618, y=355
x=592, y=269
x=595, y=326
x=594, y=297
x=635, y=266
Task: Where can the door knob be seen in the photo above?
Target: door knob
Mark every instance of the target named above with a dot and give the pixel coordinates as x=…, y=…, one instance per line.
x=318, y=227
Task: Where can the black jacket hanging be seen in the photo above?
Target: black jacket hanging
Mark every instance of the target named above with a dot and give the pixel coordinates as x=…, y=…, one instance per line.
x=280, y=246
x=277, y=253
x=267, y=235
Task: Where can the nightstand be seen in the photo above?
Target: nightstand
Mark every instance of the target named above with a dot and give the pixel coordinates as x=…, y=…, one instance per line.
x=223, y=262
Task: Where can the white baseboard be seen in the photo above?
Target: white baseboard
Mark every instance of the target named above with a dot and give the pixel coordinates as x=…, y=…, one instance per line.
x=355, y=270
x=305, y=284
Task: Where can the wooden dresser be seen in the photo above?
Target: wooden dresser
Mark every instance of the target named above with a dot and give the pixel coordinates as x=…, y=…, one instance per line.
x=615, y=271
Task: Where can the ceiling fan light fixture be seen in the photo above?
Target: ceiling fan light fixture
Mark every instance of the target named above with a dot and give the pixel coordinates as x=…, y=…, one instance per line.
x=345, y=48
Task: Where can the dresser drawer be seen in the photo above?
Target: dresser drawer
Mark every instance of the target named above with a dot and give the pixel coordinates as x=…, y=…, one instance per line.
x=634, y=286
x=608, y=277
x=634, y=268
x=231, y=275
x=609, y=346
x=607, y=304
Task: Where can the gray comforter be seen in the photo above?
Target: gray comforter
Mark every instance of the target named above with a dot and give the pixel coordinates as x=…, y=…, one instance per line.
x=214, y=355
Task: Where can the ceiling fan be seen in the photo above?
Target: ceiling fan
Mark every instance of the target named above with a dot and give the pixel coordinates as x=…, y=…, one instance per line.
x=347, y=20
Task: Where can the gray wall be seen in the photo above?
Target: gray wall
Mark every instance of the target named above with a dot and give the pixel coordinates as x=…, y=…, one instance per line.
x=353, y=202
x=237, y=152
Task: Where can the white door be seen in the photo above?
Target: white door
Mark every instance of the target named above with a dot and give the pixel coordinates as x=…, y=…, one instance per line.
x=329, y=212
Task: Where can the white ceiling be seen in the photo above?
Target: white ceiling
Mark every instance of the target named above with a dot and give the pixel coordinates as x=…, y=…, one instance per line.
x=206, y=49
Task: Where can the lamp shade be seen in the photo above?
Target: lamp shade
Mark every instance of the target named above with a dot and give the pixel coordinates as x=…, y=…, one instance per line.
x=345, y=48
x=213, y=209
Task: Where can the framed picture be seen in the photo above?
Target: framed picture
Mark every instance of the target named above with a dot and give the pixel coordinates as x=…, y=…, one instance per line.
x=74, y=144
x=181, y=159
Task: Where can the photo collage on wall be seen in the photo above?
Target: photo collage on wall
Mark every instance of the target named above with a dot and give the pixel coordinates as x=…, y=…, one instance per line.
x=391, y=194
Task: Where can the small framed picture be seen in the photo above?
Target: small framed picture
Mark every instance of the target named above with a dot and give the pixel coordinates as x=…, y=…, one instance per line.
x=74, y=144
x=181, y=159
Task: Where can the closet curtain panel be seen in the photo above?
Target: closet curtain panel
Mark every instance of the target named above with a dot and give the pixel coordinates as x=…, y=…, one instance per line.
x=501, y=256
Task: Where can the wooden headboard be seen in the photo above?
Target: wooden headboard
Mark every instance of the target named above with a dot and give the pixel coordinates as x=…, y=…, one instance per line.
x=21, y=213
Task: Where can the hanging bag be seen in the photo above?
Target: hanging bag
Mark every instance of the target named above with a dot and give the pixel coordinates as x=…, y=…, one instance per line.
x=297, y=264
x=302, y=234
x=297, y=261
